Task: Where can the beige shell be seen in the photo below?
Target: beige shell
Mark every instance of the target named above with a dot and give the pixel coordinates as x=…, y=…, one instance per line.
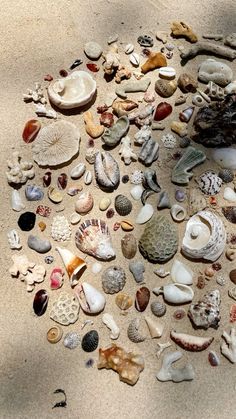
x=123, y=301
x=84, y=203
x=129, y=246
x=55, y=195
x=165, y=88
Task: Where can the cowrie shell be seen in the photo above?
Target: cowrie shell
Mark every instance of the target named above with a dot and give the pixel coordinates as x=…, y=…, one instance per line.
x=129, y=48
x=134, y=59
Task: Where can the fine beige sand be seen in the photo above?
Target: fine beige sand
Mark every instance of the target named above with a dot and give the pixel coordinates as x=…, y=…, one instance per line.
x=40, y=37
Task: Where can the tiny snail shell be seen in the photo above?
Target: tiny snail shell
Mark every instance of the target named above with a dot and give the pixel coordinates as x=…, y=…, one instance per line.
x=134, y=59
x=129, y=48
x=178, y=213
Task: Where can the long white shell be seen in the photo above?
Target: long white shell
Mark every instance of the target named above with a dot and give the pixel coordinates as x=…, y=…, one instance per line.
x=109, y=321
x=204, y=237
x=91, y=300
x=16, y=202
x=77, y=171
x=181, y=273
x=175, y=293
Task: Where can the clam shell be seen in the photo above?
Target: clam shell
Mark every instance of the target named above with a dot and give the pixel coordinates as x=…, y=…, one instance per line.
x=133, y=331
x=90, y=341
x=142, y=299
x=123, y=205
x=123, y=301
x=113, y=279
x=165, y=88
x=129, y=246
x=175, y=293
x=55, y=195
x=88, y=177
x=136, y=192
x=158, y=308
x=84, y=203
x=77, y=171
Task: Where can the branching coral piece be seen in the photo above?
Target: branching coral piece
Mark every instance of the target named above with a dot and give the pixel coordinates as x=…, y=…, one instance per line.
x=20, y=171
x=35, y=95
x=27, y=271
x=112, y=60
x=228, y=348
x=208, y=47
x=168, y=373
x=126, y=152
x=41, y=110
x=183, y=30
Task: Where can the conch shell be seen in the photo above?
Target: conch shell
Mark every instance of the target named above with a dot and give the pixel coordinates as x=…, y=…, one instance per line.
x=91, y=300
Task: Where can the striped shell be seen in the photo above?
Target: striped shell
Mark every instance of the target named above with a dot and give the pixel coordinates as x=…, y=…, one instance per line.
x=123, y=205
x=133, y=331
x=158, y=308
x=209, y=182
x=90, y=341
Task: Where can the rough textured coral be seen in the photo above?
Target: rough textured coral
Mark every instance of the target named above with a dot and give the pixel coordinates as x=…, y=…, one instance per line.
x=65, y=310
x=61, y=230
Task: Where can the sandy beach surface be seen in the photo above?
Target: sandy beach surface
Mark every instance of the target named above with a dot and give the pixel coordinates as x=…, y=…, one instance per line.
x=41, y=37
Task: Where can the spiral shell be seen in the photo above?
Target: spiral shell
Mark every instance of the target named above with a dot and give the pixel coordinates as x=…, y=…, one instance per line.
x=158, y=308
x=113, y=279
x=123, y=205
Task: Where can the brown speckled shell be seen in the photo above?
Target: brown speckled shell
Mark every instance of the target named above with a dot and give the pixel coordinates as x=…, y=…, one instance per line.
x=129, y=246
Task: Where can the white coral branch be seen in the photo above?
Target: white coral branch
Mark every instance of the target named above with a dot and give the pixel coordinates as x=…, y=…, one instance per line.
x=228, y=348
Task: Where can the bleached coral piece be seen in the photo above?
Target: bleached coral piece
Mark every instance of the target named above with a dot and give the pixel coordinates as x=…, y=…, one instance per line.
x=169, y=141
x=168, y=373
x=27, y=271
x=41, y=110
x=126, y=152
x=36, y=275
x=144, y=134
x=21, y=265
x=14, y=240
x=228, y=348
x=20, y=171
x=61, y=230
x=161, y=347
x=35, y=95
x=109, y=321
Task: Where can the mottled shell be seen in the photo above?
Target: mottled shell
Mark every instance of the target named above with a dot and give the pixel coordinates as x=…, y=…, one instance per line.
x=123, y=205
x=123, y=301
x=133, y=331
x=196, y=201
x=90, y=341
x=209, y=183
x=206, y=312
x=165, y=88
x=158, y=308
x=113, y=279
x=129, y=246
x=71, y=340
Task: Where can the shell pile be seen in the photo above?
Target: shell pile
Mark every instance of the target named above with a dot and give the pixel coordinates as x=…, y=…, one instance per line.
x=132, y=190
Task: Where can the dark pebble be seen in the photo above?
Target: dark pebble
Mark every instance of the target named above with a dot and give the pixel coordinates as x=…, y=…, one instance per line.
x=26, y=221
x=40, y=302
x=125, y=178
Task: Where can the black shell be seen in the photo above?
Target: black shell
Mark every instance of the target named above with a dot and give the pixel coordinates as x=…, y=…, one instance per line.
x=226, y=175
x=40, y=302
x=90, y=341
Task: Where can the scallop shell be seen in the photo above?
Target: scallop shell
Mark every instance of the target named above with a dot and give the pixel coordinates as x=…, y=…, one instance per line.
x=113, y=279
x=129, y=246
x=90, y=341
x=165, y=88
x=158, y=308
x=123, y=301
x=133, y=331
x=123, y=205
x=93, y=237
x=204, y=237
x=209, y=182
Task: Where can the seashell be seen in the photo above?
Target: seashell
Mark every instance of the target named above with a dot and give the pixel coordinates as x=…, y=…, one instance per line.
x=214, y=91
x=213, y=359
x=93, y=50
x=230, y=214
x=26, y=221
x=179, y=314
x=165, y=88
x=84, y=203
x=106, y=171
x=73, y=91
x=186, y=114
x=112, y=38
x=187, y=83
x=180, y=100
x=136, y=177
x=164, y=200
x=56, y=278
x=92, y=129
x=159, y=241
x=155, y=329
x=232, y=293
x=150, y=180
x=16, y=201
x=175, y=293
x=180, y=195
x=230, y=254
x=191, y=158
x=158, y=308
x=78, y=171
x=93, y=237
x=204, y=237
x=60, y=230
x=226, y=175
x=43, y=210
x=113, y=135
x=179, y=127
x=40, y=302
x=54, y=334
x=168, y=373
x=190, y=342
x=113, y=279
x=134, y=59
x=14, y=240
x=232, y=276
x=133, y=331
x=110, y=213
x=31, y=130
x=178, y=213
x=142, y=299
x=163, y=110
x=215, y=71
x=225, y=157
x=123, y=205
x=161, y=272
x=206, y=313
x=90, y=154
x=169, y=140
x=181, y=273
x=137, y=269
x=126, y=225
x=123, y=301
x=196, y=201
x=209, y=182
x=62, y=181
x=129, y=246
x=91, y=300
x=149, y=152
x=155, y=60
x=74, y=190
x=167, y=72
x=145, y=214
x=104, y=204
x=33, y=193
x=75, y=218
x=39, y=245
x=145, y=41
x=145, y=194
x=71, y=340
x=55, y=195
x=96, y=267
x=127, y=364
x=109, y=321
x=49, y=259
x=136, y=192
x=73, y=264
x=129, y=48
x=229, y=194
x=90, y=341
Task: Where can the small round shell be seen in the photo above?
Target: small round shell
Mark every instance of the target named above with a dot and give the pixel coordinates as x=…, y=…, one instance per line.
x=133, y=331
x=90, y=341
x=123, y=205
x=113, y=279
x=158, y=308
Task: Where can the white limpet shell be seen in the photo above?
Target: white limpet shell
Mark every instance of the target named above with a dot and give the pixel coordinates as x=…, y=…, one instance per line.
x=14, y=240
x=73, y=265
x=155, y=327
x=78, y=171
x=129, y=48
x=96, y=267
x=145, y=214
x=16, y=202
x=167, y=72
x=229, y=194
x=134, y=59
x=175, y=293
x=72, y=91
x=75, y=218
x=109, y=321
x=168, y=373
x=225, y=157
x=230, y=88
x=181, y=273
x=205, y=236
x=91, y=300
x=136, y=192
x=178, y=213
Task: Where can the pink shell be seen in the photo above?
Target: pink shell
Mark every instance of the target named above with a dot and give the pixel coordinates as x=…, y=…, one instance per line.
x=84, y=203
x=56, y=278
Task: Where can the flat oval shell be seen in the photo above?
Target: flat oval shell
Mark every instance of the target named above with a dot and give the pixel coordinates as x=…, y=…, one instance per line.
x=144, y=214
x=77, y=171
x=55, y=195
x=104, y=204
x=167, y=72
x=142, y=299
x=129, y=246
x=134, y=59
x=54, y=334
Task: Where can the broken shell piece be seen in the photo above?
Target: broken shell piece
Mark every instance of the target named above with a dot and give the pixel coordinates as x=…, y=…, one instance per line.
x=169, y=141
x=162, y=36
x=133, y=331
x=155, y=60
x=126, y=151
x=19, y=171
x=181, y=29
x=72, y=91
x=65, y=310
x=187, y=83
x=16, y=201
x=161, y=272
x=196, y=201
x=84, y=203
x=232, y=293
x=189, y=342
x=178, y=213
x=73, y=265
x=132, y=86
x=109, y=321
x=41, y=110
x=113, y=135
x=123, y=301
x=180, y=100
x=228, y=348
x=206, y=312
x=179, y=127
x=214, y=91
x=168, y=373
x=113, y=279
x=155, y=329
x=78, y=171
x=145, y=214
x=56, y=278
x=175, y=293
x=181, y=273
x=91, y=128
x=14, y=240
x=229, y=194
x=137, y=269
x=191, y=158
x=91, y=300
x=186, y=114
x=123, y=107
x=127, y=364
x=143, y=134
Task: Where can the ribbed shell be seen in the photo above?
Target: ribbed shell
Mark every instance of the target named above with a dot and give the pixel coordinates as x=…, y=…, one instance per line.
x=113, y=279
x=226, y=175
x=90, y=341
x=158, y=308
x=133, y=332
x=123, y=205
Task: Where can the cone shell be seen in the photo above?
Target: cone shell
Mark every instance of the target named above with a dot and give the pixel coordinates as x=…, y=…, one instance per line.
x=73, y=264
